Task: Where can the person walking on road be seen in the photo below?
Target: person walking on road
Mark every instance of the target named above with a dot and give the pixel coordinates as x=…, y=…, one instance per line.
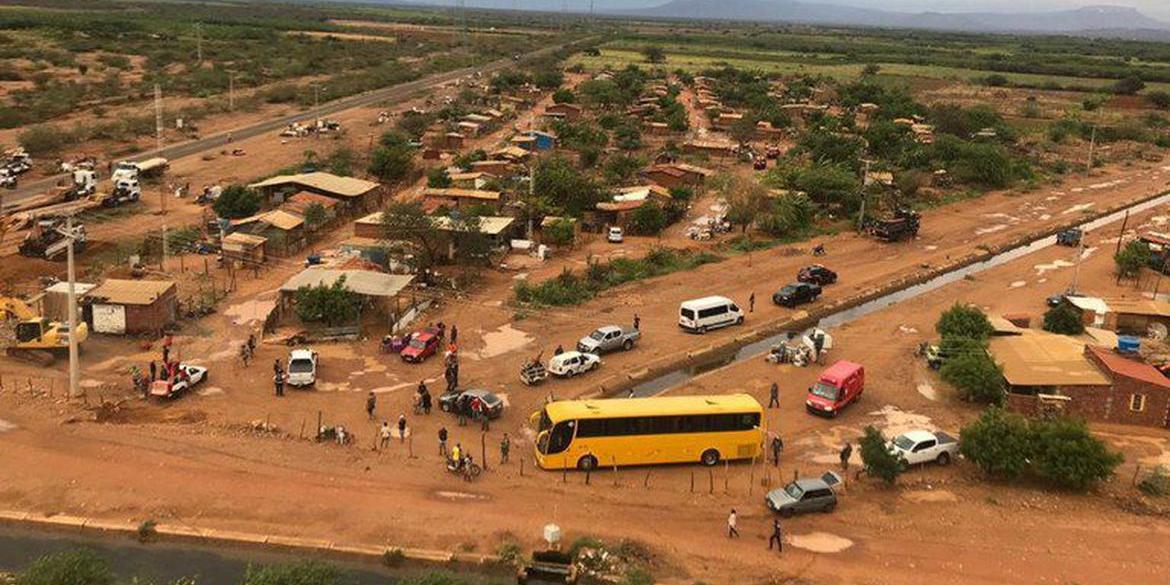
x=443, y=441
x=277, y=369
x=385, y=433
x=846, y=453
x=777, y=447
x=777, y=536
x=505, y=446
x=731, y=519
x=402, y=427
x=371, y=404
x=752, y=302
x=774, y=396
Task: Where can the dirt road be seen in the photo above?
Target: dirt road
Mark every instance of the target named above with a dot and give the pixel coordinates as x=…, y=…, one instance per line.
x=187, y=460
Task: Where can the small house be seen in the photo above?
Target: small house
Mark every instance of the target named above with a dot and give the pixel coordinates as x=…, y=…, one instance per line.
x=132, y=307
x=709, y=147
x=511, y=153
x=474, y=180
x=570, y=112
x=243, y=250
x=471, y=129
x=284, y=231
x=55, y=299
x=353, y=194
x=454, y=198
x=498, y=167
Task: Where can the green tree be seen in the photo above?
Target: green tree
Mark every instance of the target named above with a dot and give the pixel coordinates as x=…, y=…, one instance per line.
x=977, y=377
x=561, y=232
x=876, y=458
x=43, y=140
x=415, y=124
x=341, y=162
x=787, y=215
x=472, y=246
x=314, y=215
x=742, y=130
x=870, y=69
x=405, y=221
x=620, y=168
x=235, y=202
x=828, y=185
x=654, y=54
x=963, y=320
x=562, y=187
x=1067, y=456
x=393, y=159
x=1130, y=260
x=745, y=199
x=438, y=178
x=649, y=219
x=628, y=137
x=333, y=304
x=1063, y=319
x=1159, y=99
x=302, y=573
x=73, y=567
x=999, y=442
x=548, y=78
x=564, y=96
x=1129, y=85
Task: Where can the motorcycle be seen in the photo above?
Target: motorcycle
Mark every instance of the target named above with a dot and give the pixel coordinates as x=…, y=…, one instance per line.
x=819, y=250
x=468, y=468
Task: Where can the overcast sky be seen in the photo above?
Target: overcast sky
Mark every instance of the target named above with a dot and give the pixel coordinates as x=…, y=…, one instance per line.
x=1155, y=8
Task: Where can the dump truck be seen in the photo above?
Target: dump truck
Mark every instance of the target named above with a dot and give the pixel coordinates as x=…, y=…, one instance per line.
x=902, y=225
x=47, y=240
x=36, y=338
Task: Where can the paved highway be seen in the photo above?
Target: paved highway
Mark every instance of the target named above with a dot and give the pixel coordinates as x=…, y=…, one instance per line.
x=399, y=92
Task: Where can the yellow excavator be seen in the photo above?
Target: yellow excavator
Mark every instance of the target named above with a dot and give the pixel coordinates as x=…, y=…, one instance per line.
x=36, y=338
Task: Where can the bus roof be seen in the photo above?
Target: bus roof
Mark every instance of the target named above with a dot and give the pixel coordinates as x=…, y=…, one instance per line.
x=659, y=406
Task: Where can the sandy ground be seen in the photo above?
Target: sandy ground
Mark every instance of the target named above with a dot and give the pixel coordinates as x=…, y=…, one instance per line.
x=942, y=524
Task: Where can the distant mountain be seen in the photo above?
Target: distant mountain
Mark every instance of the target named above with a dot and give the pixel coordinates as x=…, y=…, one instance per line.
x=1108, y=20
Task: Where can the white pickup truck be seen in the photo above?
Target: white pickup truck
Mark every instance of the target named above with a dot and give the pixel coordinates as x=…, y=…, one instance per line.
x=917, y=447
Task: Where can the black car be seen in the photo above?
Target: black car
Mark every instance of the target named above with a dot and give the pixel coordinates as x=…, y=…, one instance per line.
x=816, y=274
x=460, y=402
x=797, y=293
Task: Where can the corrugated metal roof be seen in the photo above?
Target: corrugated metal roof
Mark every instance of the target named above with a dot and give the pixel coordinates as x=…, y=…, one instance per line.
x=277, y=218
x=1039, y=358
x=130, y=292
x=327, y=182
x=463, y=194
x=491, y=226
x=244, y=239
x=363, y=282
x=79, y=288
x=1123, y=366
x=1139, y=307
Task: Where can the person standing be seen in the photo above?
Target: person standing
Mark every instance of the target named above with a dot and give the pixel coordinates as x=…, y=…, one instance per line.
x=277, y=369
x=637, y=322
x=278, y=379
x=777, y=447
x=153, y=371
x=731, y=520
x=485, y=424
x=846, y=453
x=774, y=396
x=402, y=427
x=454, y=334
x=371, y=404
x=443, y=441
x=777, y=537
x=385, y=434
x=426, y=402
x=752, y=302
x=505, y=446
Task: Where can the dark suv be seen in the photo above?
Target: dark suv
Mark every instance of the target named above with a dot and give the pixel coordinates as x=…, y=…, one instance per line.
x=816, y=274
x=797, y=293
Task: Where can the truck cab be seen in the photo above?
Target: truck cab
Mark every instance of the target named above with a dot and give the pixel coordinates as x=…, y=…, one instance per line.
x=839, y=385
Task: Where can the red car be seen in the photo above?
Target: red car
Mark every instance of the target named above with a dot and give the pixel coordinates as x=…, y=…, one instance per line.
x=422, y=345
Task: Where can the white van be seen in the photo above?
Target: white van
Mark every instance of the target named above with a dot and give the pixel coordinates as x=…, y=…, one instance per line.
x=699, y=315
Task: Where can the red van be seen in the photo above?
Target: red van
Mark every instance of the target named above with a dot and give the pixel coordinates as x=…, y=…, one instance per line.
x=839, y=385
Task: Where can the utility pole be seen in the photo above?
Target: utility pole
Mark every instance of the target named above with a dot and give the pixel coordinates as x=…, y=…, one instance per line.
x=864, y=184
x=163, y=266
x=74, y=374
x=158, y=117
x=232, y=92
x=1077, y=267
x=1092, y=145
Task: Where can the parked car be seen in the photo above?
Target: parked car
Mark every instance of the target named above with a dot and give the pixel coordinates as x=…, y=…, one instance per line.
x=816, y=274
x=302, y=367
x=608, y=338
x=797, y=293
x=461, y=401
x=921, y=446
x=810, y=494
x=1069, y=237
x=571, y=363
x=422, y=345
x=701, y=315
x=186, y=378
x=837, y=387
x=614, y=235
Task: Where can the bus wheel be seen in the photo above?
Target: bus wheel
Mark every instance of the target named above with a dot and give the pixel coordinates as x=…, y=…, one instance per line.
x=587, y=463
x=710, y=457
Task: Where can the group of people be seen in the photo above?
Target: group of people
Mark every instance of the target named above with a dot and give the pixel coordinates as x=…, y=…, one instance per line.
x=777, y=537
x=167, y=369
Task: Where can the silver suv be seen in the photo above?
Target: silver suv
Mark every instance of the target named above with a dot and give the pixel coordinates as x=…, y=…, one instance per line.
x=815, y=494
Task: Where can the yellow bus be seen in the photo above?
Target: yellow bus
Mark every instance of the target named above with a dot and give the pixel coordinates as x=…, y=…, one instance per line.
x=586, y=434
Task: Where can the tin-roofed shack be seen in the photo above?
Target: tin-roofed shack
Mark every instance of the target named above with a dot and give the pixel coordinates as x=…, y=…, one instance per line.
x=353, y=194
x=121, y=307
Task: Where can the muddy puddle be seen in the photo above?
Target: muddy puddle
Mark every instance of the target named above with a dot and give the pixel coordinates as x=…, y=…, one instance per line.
x=250, y=312
x=501, y=341
x=820, y=542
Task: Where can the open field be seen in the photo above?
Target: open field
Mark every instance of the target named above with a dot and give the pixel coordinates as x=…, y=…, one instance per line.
x=537, y=179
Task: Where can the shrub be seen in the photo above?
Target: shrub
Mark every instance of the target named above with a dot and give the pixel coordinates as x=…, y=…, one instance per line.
x=977, y=377
x=876, y=459
x=999, y=442
x=649, y=219
x=559, y=233
x=1067, y=456
x=637, y=576
x=333, y=304
x=1159, y=99
x=393, y=557
x=302, y=573
x=1063, y=319
x=510, y=553
x=75, y=567
x=1156, y=484
x=438, y=178
x=147, y=530
x=44, y=140
x=1129, y=85
x=1130, y=260
x=964, y=321
x=235, y=202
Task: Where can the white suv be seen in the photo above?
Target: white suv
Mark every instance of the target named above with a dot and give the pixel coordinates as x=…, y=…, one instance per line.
x=302, y=367
x=614, y=236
